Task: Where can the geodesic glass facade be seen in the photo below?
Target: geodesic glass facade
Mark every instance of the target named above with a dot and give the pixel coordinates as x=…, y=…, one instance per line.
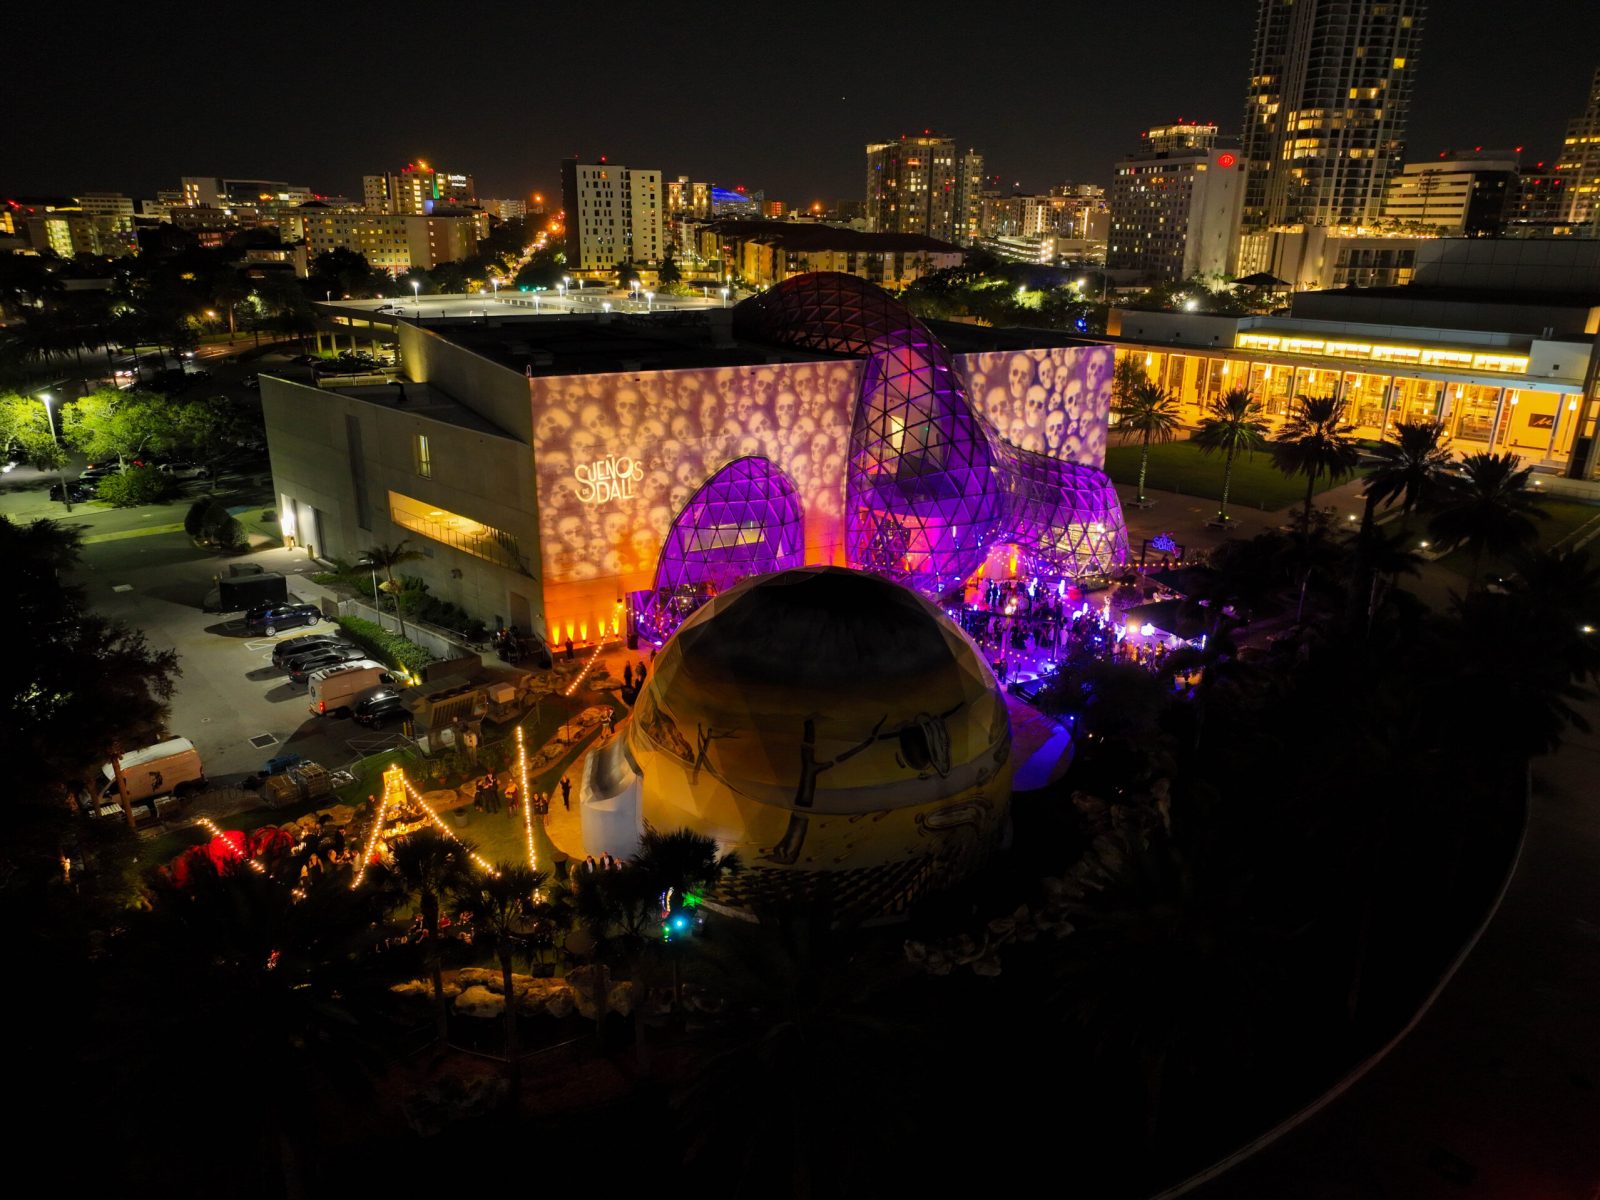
x=745, y=520
x=930, y=485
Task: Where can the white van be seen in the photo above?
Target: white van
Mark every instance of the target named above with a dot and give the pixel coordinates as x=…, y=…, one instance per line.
x=333, y=690
x=166, y=767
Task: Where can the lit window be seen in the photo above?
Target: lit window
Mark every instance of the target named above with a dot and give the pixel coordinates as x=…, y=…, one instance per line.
x=423, y=456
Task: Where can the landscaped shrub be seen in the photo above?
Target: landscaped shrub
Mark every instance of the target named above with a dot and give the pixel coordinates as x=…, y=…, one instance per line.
x=140, y=485
x=387, y=647
x=206, y=520
x=231, y=536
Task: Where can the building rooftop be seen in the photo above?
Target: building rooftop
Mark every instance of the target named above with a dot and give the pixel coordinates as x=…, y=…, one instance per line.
x=418, y=399
x=1414, y=292
x=803, y=236
x=582, y=344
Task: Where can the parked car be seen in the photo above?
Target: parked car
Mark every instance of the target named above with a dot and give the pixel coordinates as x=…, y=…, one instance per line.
x=185, y=470
x=305, y=644
x=268, y=619
x=379, y=705
x=301, y=668
x=99, y=471
x=77, y=492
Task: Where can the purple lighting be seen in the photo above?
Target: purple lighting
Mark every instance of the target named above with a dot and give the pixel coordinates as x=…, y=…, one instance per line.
x=931, y=486
x=745, y=520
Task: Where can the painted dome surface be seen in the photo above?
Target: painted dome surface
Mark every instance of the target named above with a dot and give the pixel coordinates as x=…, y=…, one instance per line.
x=823, y=719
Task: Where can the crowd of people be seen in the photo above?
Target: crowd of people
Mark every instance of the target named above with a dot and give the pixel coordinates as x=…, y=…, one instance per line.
x=1029, y=625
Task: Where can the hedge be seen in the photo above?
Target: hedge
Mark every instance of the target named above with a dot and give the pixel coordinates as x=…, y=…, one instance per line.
x=385, y=646
x=135, y=486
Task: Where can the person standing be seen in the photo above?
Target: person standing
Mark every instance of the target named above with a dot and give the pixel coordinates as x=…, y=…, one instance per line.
x=569, y=649
x=627, y=675
x=566, y=793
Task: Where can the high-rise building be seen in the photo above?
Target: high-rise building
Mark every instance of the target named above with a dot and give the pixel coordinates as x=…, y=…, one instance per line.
x=1461, y=195
x=1175, y=211
x=614, y=214
x=111, y=213
x=415, y=190
x=1580, y=162
x=506, y=210
x=915, y=185
x=1325, y=112
x=389, y=242
x=969, y=197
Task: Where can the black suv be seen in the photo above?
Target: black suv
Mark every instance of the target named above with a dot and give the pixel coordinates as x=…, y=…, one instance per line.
x=377, y=706
x=294, y=647
x=301, y=666
x=269, y=618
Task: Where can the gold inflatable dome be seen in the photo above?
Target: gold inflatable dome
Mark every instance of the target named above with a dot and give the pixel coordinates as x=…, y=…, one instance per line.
x=834, y=728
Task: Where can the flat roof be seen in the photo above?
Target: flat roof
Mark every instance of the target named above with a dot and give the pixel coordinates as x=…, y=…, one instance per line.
x=1460, y=295
x=620, y=343
x=418, y=399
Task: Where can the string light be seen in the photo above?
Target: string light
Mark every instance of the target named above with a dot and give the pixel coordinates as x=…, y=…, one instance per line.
x=578, y=678
x=394, y=781
x=216, y=833
x=527, y=800
x=390, y=787
x=483, y=863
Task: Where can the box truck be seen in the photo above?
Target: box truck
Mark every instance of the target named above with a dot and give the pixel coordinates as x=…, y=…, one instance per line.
x=236, y=594
x=168, y=768
x=332, y=691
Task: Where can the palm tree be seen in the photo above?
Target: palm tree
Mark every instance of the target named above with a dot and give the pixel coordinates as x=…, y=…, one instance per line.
x=430, y=866
x=389, y=557
x=1232, y=424
x=1151, y=414
x=1314, y=442
x=1488, y=508
x=503, y=906
x=1127, y=374
x=688, y=865
x=1408, y=468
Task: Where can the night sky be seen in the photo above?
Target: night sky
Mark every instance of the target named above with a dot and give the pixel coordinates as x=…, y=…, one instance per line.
x=781, y=97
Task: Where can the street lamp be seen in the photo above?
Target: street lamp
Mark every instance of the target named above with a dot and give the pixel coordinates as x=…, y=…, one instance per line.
x=605, y=306
x=649, y=302
x=496, y=284
x=724, y=297
x=45, y=398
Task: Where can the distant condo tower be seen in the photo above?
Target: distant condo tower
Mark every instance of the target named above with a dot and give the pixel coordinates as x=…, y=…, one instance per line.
x=1325, y=113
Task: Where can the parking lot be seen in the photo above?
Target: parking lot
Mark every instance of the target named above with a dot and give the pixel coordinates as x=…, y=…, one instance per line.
x=237, y=708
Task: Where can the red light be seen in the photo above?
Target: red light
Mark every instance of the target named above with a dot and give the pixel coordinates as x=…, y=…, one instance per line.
x=1226, y=160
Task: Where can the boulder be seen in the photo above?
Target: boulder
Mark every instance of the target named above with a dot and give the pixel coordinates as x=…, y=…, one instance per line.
x=479, y=1001
x=560, y=1003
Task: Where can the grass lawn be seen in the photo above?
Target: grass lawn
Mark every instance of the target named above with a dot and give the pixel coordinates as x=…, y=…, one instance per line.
x=1180, y=467
x=1563, y=519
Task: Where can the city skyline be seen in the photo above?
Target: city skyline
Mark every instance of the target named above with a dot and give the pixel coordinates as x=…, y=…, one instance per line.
x=794, y=126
